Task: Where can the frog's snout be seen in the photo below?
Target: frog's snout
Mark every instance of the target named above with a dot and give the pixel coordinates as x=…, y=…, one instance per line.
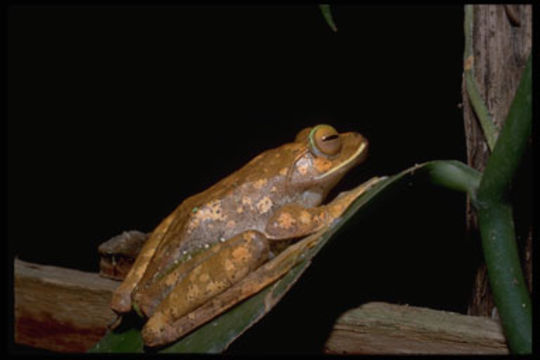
x=356, y=148
x=363, y=147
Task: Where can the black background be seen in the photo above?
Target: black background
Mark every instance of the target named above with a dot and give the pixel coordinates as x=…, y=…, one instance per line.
x=116, y=114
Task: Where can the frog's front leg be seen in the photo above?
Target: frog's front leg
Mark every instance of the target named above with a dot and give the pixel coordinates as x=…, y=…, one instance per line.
x=238, y=257
x=293, y=220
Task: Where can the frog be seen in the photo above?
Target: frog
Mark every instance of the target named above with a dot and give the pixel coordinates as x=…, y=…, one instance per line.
x=228, y=240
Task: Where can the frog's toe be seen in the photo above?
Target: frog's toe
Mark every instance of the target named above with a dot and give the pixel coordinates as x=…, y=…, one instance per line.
x=121, y=302
x=145, y=305
x=157, y=331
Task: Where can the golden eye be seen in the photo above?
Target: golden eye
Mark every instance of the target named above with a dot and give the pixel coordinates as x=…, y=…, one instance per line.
x=324, y=140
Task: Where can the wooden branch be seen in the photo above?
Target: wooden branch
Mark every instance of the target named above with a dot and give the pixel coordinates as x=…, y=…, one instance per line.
x=60, y=309
x=68, y=311
x=381, y=328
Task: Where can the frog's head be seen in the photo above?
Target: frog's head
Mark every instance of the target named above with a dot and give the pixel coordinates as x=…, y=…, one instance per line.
x=326, y=156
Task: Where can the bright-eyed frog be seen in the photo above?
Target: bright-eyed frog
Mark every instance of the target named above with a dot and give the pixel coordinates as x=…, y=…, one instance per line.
x=215, y=239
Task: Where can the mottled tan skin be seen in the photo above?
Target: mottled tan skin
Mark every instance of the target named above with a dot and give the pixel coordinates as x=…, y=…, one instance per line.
x=215, y=238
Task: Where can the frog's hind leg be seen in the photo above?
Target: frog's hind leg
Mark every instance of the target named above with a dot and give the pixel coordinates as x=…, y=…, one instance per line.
x=240, y=256
x=147, y=299
x=257, y=280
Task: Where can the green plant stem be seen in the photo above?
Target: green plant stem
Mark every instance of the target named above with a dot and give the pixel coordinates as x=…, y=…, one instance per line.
x=480, y=108
x=454, y=175
x=496, y=222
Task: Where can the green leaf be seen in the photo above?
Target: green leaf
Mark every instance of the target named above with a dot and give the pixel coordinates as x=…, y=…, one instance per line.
x=327, y=14
x=124, y=339
x=216, y=335
x=496, y=222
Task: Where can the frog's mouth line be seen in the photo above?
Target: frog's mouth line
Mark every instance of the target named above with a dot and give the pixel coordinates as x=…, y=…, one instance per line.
x=352, y=158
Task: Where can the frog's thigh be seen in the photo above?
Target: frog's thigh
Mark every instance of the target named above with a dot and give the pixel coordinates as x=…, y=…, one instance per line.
x=121, y=299
x=147, y=298
x=248, y=251
x=293, y=220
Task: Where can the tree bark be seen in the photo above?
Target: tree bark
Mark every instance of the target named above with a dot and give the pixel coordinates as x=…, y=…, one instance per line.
x=501, y=41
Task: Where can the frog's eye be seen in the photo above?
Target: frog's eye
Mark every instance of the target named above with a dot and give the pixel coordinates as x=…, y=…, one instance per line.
x=324, y=140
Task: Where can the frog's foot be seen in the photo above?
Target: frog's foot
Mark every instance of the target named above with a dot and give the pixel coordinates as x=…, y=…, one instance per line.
x=246, y=252
x=118, y=254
